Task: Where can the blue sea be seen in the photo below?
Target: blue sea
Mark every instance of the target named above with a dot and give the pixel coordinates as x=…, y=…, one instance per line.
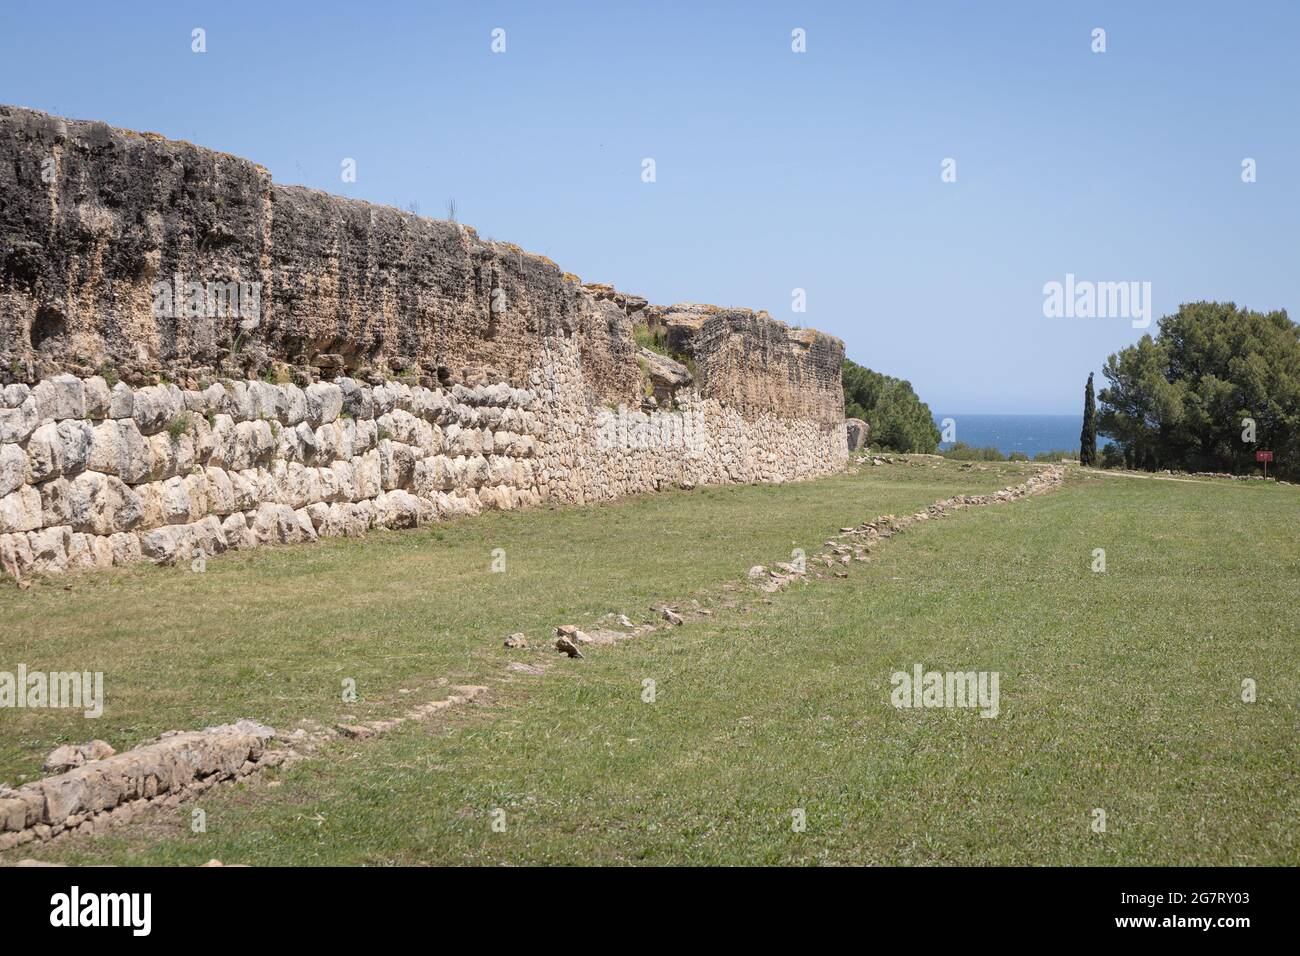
x=1027, y=433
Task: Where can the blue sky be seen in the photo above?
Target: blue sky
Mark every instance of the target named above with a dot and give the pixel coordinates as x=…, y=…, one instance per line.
x=774, y=170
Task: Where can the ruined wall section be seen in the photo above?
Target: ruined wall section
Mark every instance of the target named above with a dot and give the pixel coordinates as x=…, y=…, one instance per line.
x=750, y=362
x=388, y=369
x=389, y=292
x=90, y=218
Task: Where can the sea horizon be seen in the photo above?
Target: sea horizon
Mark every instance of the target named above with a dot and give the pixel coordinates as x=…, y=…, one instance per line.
x=1027, y=433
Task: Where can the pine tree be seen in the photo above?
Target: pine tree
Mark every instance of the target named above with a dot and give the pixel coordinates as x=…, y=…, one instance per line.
x=1088, y=437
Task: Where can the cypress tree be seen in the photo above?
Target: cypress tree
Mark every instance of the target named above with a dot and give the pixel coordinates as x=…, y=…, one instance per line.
x=1088, y=437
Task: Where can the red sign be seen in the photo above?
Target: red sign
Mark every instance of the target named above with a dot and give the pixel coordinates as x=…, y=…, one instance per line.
x=1263, y=456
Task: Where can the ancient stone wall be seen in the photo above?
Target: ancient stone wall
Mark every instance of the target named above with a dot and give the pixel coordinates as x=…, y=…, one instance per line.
x=194, y=358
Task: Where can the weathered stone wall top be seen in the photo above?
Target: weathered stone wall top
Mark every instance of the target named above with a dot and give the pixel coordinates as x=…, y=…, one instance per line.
x=755, y=364
x=93, y=218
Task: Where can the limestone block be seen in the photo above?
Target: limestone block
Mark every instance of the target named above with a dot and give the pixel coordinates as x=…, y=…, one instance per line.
x=219, y=491
x=476, y=472
x=346, y=446
x=164, y=502
x=432, y=475
x=459, y=440
x=352, y=519
x=60, y=397
x=168, y=544
x=357, y=400
x=404, y=427
x=338, y=482
x=223, y=437
x=269, y=402
x=245, y=489
x=15, y=553
x=155, y=406
x=306, y=530
x=162, y=457
x=501, y=470
x=469, y=501
x=384, y=399
x=20, y=510
x=44, y=454
x=238, y=402
x=89, y=552
x=99, y=399
x=13, y=468
x=75, y=437
x=251, y=443
x=401, y=509
x=121, y=401
x=396, y=464
x=16, y=424
x=318, y=513
x=49, y=548
x=135, y=456
x=91, y=503
x=196, y=401
x=288, y=445
x=209, y=536
x=524, y=476
x=201, y=438
x=277, y=524
x=114, y=506
x=306, y=440
x=327, y=442
x=324, y=402
x=295, y=405
x=301, y=486
x=367, y=433
x=196, y=490
x=367, y=474
x=268, y=484
x=238, y=534
x=213, y=396
x=12, y=396
x=125, y=548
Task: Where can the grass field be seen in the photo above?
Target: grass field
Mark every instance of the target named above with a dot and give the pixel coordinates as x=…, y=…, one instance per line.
x=1120, y=690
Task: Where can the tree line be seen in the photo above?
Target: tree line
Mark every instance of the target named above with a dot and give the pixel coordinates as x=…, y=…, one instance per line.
x=1214, y=386
x=898, y=419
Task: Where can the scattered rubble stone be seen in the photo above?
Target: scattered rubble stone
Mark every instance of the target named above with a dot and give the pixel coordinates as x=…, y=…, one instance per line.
x=69, y=756
x=565, y=644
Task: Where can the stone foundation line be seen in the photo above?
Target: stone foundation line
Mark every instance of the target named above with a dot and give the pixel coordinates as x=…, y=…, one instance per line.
x=100, y=792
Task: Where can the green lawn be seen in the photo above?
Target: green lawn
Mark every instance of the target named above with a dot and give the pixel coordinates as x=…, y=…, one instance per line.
x=1119, y=690
x=271, y=634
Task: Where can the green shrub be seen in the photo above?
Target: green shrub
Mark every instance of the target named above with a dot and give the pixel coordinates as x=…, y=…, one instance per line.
x=899, y=420
x=961, y=451
x=178, y=426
